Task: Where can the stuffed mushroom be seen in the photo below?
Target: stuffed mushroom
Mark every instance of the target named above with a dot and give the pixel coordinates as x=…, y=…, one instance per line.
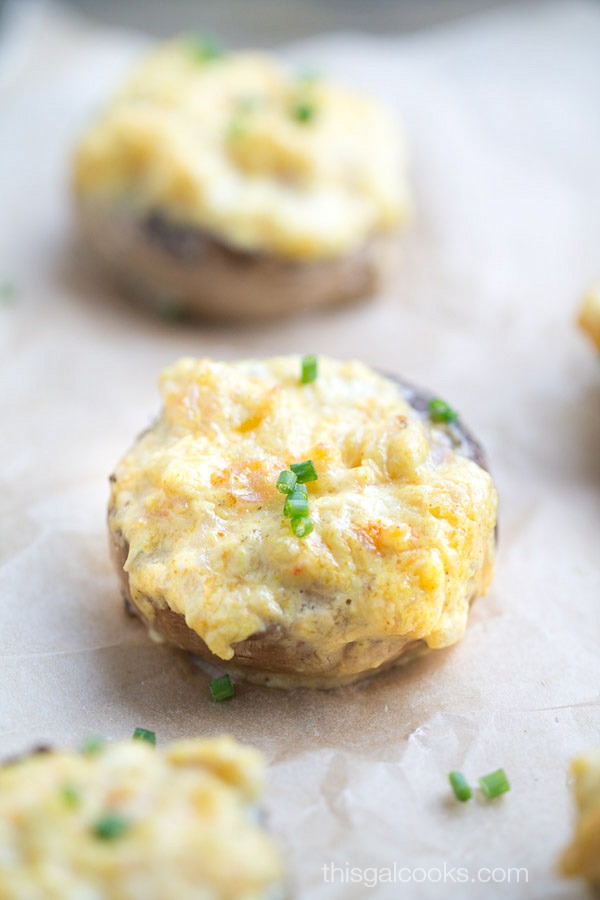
x=130, y=820
x=221, y=184
x=582, y=857
x=589, y=315
x=302, y=522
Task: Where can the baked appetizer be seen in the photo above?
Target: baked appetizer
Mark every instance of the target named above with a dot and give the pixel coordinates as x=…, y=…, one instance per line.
x=589, y=315
x=306, y=521
x=582, y=857
x=222, y=184
x=129, y=820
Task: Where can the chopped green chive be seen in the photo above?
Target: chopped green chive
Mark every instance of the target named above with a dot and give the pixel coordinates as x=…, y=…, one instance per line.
x=304, y=471
x=170, y=311
x=237, y=127
x=142, y=734
x=303, y=111
x=241, y=118
x=110, y=826
x=308, y=76
x=221, y=688
x=205, y=49
x=309, y=369
x=459, y=785
x=494, y=784
x=249, y=103
x=92, y=744
x=440, y=411
x=70, y=795
x=8, y=293
x=301, y=526
x=286, y=482
x=296, y=505
x=292, y=484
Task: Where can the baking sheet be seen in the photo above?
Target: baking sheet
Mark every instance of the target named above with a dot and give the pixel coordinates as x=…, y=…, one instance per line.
x=501, y=113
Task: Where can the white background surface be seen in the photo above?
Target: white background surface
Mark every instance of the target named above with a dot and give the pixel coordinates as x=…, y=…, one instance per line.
x=502, y=117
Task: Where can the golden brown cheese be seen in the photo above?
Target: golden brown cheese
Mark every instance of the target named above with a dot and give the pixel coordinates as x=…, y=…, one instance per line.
x=190, y=829
x=219, y=144
x=589, y=315
x=403, y=525
x=582, y=857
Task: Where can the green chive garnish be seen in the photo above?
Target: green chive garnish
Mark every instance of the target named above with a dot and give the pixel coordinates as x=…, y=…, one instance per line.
x=440, y=411
x=303, y=111
x=286, y=482
x=221, y=688
x=237, y=127
x=205, y=49
x=249, y=103
x=110, y=826
x=309, y=369
x=241, y=118
x=459, y=785
x=494, y=784
x=8, y=293
x=304, y=471
x=296, y=502
x=170, y=311
x=301, y=526
x=296, y=505
x=142, y=734
x=70, y=795
x=92, y=744
x=308, y=76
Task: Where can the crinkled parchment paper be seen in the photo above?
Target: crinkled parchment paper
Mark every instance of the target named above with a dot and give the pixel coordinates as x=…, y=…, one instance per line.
x=503, y=118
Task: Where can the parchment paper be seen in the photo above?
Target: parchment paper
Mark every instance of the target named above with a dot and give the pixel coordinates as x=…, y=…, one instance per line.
x=502, y=114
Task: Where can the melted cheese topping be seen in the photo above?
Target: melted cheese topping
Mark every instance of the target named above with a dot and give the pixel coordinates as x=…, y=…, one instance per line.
x=589, y=315
x=403, y=526
x=583, y=856
x=216, y=145
x=191, y=824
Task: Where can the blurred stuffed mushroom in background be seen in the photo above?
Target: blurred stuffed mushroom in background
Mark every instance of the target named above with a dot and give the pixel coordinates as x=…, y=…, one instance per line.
x=132, y=820
x=223, y=185
x=581, y=859
x=589, y=315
